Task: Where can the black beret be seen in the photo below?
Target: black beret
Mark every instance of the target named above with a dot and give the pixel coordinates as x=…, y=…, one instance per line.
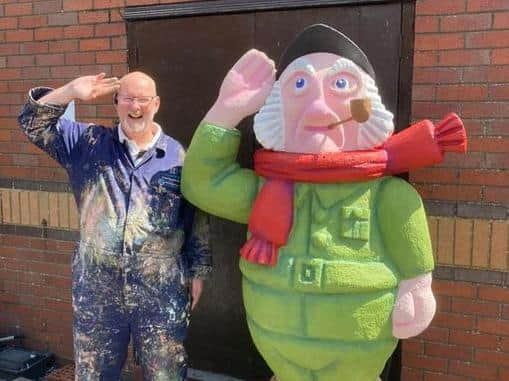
x=321, y=38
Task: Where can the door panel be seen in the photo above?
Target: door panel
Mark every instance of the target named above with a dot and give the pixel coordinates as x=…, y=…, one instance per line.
x=188, y=57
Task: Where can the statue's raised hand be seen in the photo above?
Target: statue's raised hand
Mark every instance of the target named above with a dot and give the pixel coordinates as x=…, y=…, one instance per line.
x=244, y=89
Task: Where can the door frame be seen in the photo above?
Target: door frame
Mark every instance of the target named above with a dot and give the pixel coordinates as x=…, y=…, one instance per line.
x=200, y=8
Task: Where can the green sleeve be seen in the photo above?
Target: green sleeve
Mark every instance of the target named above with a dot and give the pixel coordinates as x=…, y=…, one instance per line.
x=211, y=178
x=404, y=228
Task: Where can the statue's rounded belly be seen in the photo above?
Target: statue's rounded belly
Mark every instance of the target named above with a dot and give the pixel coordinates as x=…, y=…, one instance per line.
x=345, y=317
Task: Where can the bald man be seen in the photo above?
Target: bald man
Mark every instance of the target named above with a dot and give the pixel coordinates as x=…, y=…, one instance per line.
x=143, y=251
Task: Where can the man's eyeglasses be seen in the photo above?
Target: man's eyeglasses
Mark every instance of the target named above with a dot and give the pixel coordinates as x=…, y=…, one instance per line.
x=142, y=101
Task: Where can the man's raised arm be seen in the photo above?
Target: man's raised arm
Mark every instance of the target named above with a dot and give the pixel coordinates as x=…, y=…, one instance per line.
x=39, y=118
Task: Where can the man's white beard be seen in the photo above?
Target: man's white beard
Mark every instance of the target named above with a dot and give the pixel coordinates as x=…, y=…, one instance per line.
x=135, y=127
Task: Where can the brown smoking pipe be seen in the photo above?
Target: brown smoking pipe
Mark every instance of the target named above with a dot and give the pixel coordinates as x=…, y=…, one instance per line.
x=360, y=109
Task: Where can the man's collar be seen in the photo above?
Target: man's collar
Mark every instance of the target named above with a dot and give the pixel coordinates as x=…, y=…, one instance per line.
x=162, y=142
x=156, y=141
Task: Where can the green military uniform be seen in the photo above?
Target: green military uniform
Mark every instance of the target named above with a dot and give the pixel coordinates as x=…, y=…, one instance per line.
x=324, y=311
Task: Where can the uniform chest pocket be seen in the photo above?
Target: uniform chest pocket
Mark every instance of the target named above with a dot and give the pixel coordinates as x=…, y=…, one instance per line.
x=166, y=199
x=355, y=223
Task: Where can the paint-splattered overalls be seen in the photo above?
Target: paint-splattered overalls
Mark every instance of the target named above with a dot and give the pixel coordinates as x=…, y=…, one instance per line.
x=140, y=244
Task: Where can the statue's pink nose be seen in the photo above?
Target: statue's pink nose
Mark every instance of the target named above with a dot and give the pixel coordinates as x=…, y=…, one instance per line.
x=319, y=114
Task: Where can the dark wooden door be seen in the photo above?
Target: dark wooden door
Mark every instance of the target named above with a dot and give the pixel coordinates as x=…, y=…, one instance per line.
x=188, y=55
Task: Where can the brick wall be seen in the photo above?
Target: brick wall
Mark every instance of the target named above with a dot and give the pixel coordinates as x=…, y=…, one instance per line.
x=49, y=43
x=35, y=296
x=46, y=43
x=469, y=338
x=461, y=64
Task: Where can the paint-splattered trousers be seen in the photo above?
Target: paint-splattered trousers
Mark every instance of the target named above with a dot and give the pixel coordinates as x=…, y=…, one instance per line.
x=137, y=299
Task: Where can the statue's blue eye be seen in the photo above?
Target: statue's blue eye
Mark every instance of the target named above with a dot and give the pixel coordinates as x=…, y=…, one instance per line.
x=300, y=83
x=341, y=83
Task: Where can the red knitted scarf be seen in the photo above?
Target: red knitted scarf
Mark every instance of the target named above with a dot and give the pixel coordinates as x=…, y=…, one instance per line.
x=271, y=218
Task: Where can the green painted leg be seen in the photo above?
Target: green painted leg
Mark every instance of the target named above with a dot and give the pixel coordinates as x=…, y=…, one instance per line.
x=361, y=363
x=302, y=359
x=283, y=369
